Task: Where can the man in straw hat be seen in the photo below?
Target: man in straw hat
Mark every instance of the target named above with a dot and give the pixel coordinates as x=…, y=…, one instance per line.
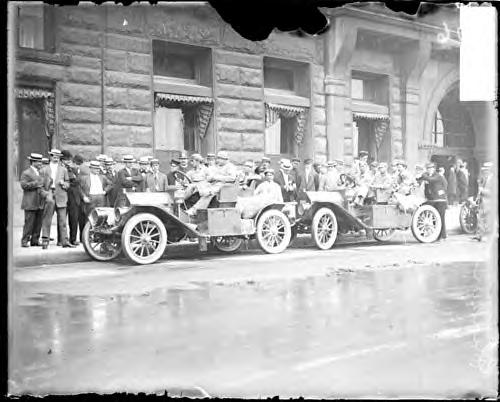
x=32, y=183
x=286, y=180
x=59, y=185
x=94, y=188
x=112, y=176
x=128, y=179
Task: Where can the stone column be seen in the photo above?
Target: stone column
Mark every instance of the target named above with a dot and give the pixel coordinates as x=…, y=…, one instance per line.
x=339, y=47
x=413, y=64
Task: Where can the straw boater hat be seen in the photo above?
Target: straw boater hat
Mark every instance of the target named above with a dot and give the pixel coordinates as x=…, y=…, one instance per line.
x=222, y=155
x=362, y=153
x=55, y=152
x=45, y=161
x=109, y=161
x=128, y=158
x=143, y=160
x=34, y=157
x=175, y=162
x=285, y=164
x=210, y=156
x=331, y=163
x=101, y=158
x=95, y=164
x=265, y=159
x=295, y=159
x=155, y=161
x=197, y=157
x=183, y=155
x=269, y=170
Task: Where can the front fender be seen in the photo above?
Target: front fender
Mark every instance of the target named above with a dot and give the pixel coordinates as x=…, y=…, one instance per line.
x=344, y=218
x=278, y=206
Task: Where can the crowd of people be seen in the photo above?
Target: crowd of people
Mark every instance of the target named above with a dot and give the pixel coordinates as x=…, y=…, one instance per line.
x=70, y=187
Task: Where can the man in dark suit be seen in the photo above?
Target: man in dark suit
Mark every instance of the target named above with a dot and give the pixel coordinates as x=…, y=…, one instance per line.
x=144, y=170
x=309, y=179
x=74, y=197
x=462, y=182
x=33, y=194
x=112, y=176
x=59, y=184
x=128, y=179
x=286, y=180
x=94, y=187
x=435, y=193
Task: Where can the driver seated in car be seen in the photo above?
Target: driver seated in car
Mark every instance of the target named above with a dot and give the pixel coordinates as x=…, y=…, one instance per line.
x=364, y=180
x=207, y=184
x=382, y=180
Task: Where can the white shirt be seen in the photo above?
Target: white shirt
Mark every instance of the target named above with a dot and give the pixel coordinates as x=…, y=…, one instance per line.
x=271, y=191
x=95, y=185
x=53, y=173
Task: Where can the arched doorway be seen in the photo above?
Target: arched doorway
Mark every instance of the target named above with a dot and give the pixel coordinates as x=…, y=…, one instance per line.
x=453, y=137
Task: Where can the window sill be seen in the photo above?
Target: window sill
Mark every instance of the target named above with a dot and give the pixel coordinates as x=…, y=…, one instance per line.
x=43, y=56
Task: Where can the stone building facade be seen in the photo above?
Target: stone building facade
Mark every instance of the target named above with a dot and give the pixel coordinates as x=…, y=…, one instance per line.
x=159, y=79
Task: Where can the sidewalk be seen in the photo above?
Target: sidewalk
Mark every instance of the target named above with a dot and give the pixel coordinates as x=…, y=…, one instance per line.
x=35, y=256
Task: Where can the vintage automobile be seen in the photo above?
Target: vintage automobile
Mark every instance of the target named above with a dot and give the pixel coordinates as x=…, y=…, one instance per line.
x=143, y=225
x=325, y=215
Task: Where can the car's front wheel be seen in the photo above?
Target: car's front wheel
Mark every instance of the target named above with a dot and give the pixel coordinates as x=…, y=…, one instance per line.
x=273, y=231
x=324, y=228
x=426, y=224
x=144, y=238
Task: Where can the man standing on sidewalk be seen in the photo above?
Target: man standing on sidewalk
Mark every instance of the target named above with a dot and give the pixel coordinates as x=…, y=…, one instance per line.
x=59, y=184
x=112, y=177
x=94, y=188
x=32, y=203
x=435, y=193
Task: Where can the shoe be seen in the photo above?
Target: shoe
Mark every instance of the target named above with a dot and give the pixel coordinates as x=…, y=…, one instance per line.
x=68, y=245
x=37, y=244
x=45, y=244
x=74, y=243
x=58, y=243
x=51, y=239
x=25, y=245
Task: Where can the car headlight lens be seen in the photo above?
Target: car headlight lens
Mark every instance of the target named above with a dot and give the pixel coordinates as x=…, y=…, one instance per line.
x=93, y=217
x=119, y=212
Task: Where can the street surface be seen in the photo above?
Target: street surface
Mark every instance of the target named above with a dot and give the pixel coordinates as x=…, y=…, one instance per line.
x=401, y=319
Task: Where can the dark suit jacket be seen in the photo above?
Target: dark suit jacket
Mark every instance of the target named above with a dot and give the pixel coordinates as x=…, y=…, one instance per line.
x=33, y=190
x=61, y=191
x=435, y=186
x=280, y=179
x=128, y=185
x=74, y=191
x=113, y=189
x=309, y=183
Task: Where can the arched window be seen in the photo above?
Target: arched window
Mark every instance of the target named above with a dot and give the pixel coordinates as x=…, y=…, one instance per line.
x=438, y=130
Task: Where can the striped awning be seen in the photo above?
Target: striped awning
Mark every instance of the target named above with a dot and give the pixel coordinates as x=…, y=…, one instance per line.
x=163, y=97
x=33, y=93
x=371, y=116
x=285, y=108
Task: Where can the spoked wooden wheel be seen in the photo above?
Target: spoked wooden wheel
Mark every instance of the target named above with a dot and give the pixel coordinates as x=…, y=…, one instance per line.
x=227, y=244
x=144, y=238
x=426, y=224
x=324, y=228
x=99, y=247
x=273, y=231
x=468, y=219
x=383, y=234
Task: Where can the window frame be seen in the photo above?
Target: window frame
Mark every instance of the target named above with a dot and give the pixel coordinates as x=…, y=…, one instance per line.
x=47, y=28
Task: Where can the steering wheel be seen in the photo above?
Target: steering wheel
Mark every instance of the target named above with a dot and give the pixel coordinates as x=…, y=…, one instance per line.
x=181, y=176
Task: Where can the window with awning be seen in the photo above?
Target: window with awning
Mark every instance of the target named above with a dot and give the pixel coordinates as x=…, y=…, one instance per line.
x=285, y=126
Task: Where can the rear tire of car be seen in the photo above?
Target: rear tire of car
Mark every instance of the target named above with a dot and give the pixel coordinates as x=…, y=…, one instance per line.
x=324, y=228
x=468, y=219
x=382, y=235
x=273, y=231
x=227, y=244
x=144, y=238
x=99, y=251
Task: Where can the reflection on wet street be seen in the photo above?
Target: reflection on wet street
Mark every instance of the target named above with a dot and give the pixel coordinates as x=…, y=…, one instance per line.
x=424, y=330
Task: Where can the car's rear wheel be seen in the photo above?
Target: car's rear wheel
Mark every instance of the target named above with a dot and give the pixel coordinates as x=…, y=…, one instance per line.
x=426, y=224
x=383, y=234
x=468, y=218
x=273, y=231
x=324, y=228
x=99, y=247
x=227, y=244
x=144, y=238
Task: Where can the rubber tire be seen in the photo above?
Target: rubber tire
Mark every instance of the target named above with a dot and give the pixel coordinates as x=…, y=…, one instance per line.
x=127, y=229
x=234, y=248
x=314, y=227
x=381, y=238
x=287, y=235
x=463, y=224
x=437, y=230
x=90, y=251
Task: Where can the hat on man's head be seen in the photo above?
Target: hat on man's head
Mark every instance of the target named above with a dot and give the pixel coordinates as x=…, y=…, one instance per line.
x=155, y=161
x=362, y=153
x=128, y=158
x=150, y=158
x=402, y=162
x=109, y=161
x=488, y=165
x=55, y=152
x=65, y=154
x=331, y=163
x=197, y=157
x=143, y=160
x=210, y=156
x=286, y=164
x=222, y=155
x=269, y=170
x=339, y=161
x=45, y=161
x=95, y=164
x=430, y=164
x=34, y=157
x=175, y=162
x=101, y=158
x=265, y=159
x=183, y=155
x=374, y=164
x=295, y=159
x=308, y=161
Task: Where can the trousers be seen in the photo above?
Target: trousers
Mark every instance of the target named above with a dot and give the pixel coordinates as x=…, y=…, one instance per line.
x=441, y=206
x=32, y=226
x=48, y=213
x=76, y=220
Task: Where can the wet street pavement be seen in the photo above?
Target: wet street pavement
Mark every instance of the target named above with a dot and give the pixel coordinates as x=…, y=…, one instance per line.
x=394, y=320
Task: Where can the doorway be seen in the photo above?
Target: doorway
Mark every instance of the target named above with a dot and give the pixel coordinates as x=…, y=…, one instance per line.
x=31, y=131
x=378, y=149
